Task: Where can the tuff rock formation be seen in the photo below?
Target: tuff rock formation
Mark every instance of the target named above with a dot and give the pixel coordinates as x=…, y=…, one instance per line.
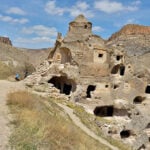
x=102, y=77
x=134, y=38
x=5, y=40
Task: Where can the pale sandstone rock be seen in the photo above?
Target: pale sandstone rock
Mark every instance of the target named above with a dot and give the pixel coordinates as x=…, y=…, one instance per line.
x=100, y=75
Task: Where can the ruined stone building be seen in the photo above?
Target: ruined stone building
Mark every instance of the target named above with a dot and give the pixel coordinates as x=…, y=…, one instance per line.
x=85, y=69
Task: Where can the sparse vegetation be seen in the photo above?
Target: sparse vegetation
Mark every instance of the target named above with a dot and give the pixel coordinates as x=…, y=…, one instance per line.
x=8, y=70
x=90, y=121
x=37, y=126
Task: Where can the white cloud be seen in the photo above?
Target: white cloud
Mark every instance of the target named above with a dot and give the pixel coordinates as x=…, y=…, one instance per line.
x=81, y=8
x=131, y=21
x=15, y=10
x=52, y=9
x=40, y=30
x=78, y=8
x=34, y=40
x=97, y=29
x=38, y=35
x=13, y=20
x=108, y=6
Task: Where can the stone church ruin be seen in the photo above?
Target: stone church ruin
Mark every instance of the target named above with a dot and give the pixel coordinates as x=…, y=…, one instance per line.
x=83, y=67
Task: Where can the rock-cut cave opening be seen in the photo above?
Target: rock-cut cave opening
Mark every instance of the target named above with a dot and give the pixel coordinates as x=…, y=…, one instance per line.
x=147, y=90
x=104, y=111
x=125, y=134
x=64, y=84
x=138, y=100
x=90, y=88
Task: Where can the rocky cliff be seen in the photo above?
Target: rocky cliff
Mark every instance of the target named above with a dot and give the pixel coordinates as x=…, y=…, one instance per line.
x=134, y=38
x=5, y=40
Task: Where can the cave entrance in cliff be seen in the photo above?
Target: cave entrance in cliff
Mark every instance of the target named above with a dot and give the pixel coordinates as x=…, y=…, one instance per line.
x=138, y=100
x=104, y=111
x=65, y=85
x=65, y=55
x=118, y=57
x=90, y=88
x=115, y=69
x=147, y=90
x=125, y=134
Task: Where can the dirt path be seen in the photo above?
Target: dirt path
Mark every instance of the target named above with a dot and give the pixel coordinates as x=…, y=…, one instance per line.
x=78, y=123
x=5, y=116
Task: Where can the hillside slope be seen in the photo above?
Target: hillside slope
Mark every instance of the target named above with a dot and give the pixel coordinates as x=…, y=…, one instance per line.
x=17, y=60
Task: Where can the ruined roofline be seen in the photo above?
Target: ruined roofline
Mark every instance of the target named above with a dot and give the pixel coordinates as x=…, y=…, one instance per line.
x=80, y=19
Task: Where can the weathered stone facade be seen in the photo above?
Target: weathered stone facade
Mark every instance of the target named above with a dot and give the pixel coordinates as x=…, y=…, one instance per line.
x=82, y=68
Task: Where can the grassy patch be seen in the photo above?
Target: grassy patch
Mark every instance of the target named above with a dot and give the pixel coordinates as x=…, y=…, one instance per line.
x=38, y=126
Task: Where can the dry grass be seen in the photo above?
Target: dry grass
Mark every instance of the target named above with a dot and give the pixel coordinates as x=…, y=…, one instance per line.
x=9, y=70
x=38, y=127
x=21, y=98
x=5, y=71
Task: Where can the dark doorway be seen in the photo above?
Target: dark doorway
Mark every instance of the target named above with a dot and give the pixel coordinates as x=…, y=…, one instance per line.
x=138, y=100
x=67, y=89
x=104, y=111
x=125, y=134
x=147, y=90
x=122, y=70
x=89, y=90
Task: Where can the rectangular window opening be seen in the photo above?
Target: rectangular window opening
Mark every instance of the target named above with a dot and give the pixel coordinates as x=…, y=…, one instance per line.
x=100, y=55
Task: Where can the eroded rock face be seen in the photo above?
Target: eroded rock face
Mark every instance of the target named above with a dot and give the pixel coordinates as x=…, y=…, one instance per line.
x=5, y=40
x=101, y=76
x=134, y=39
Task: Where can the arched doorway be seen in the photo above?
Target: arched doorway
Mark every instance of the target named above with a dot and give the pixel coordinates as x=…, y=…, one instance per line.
x=65, y=55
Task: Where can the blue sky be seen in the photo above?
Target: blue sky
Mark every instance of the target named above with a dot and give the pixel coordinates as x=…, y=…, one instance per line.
x=35, y=23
